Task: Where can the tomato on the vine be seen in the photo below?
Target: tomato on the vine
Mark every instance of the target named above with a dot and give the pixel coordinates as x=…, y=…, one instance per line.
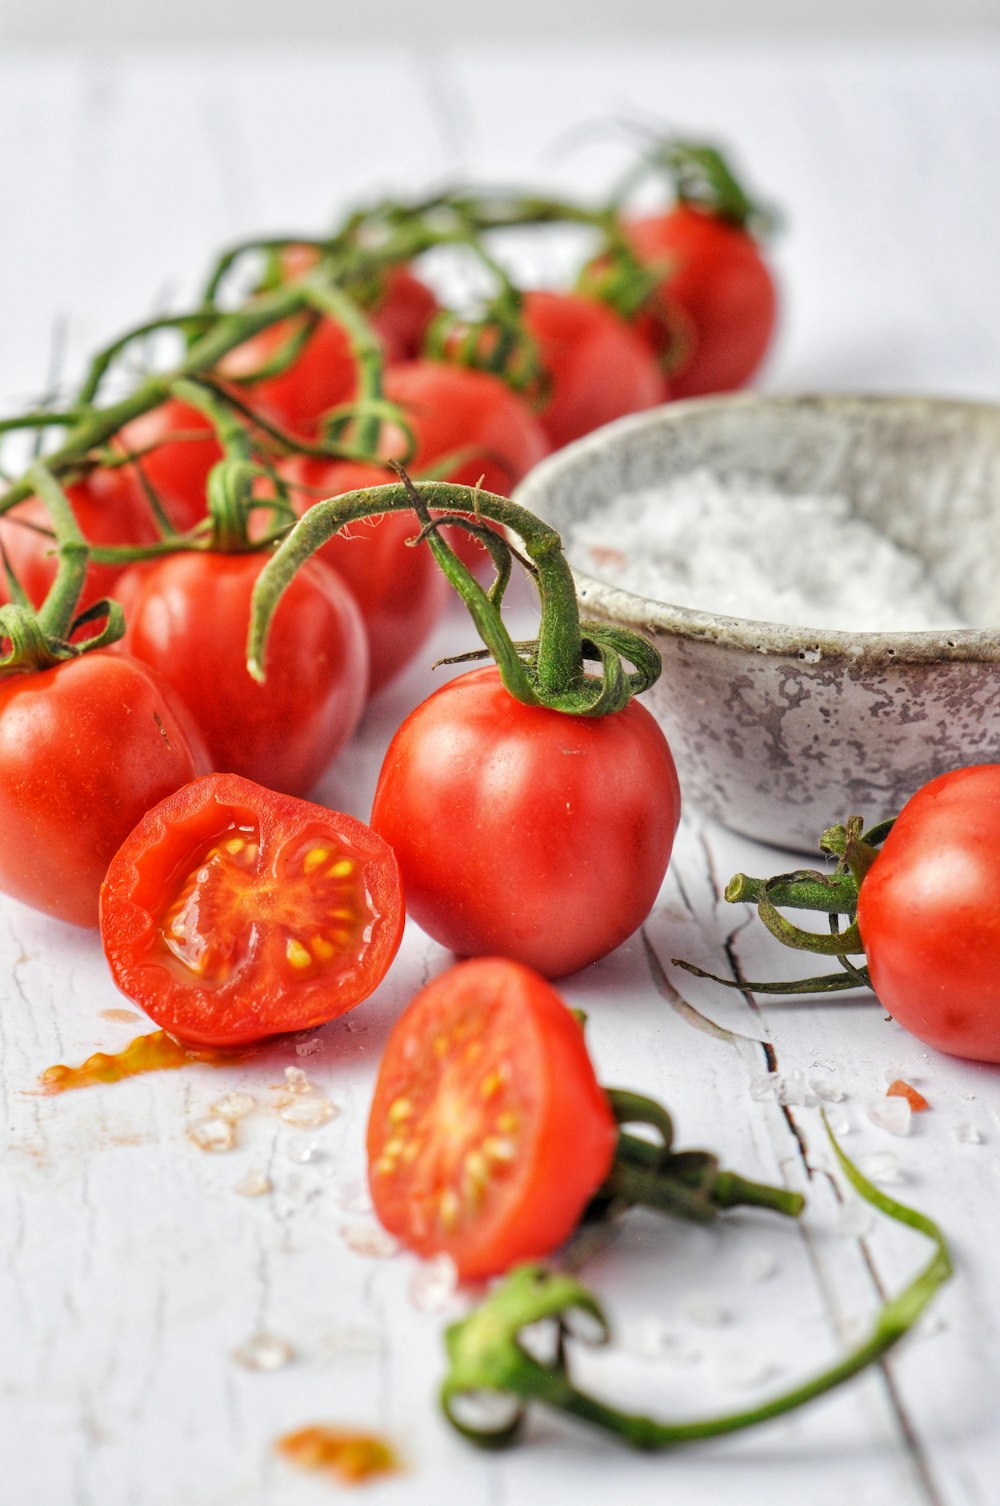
x=400, y=590
x=929, y=914
x=403, y=313
x=527, y=832
x=187, y=615
x=232, y=913
x=598, y=366
x=85, y=749
x=175, y=461
x=489, y=1132
x=717, y=279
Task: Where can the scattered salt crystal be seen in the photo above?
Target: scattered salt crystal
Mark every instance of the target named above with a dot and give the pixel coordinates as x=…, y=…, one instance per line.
x=967, y=1097
x=793, y=1091
x=827, y=1092
x=930, y=1325
x=309, y=1111
x=303, y=1153
x=263, y=1351
x=369, y=1239
x=855, y=1220
x=967, y=1134
x=434, y=1284
x=824, y=1066
x=883, y=1167
x=759, y=1265
x=296, y=1080
x=764, y=1086
x=354, y=1197
x=212, y=1134
x=893, y=1074
x=893, y=1115
x=309, y=1048
x=839, y=1124
x=648, y=1338
x=234, y=1106
x=744, y=1368
x=705, y=1308
x=256, y=1183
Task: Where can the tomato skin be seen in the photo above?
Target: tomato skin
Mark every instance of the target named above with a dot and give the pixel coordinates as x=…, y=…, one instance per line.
x=400, y=591
x=188, y=615
x=721, y=284
x=258, y=912
x=85, y=749
x=929, y=914
x=599, y=367
x=525, y=832
x=176, y=469
x=404, y=313
x=510, y=1084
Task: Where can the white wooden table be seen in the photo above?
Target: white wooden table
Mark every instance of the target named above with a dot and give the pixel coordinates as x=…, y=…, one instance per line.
x=131, y=1269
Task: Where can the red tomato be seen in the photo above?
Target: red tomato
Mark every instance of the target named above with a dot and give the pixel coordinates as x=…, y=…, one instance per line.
x=401, y=591
x=176, y=468
x=404, y=312
x=85, y=749
x=188, y=615
x=489, y=1132
x=929, y=914
x=718, y=279
x=525, y=832
x=599, y=367
x=452, y=408
x=108, y=510
x=232, y=913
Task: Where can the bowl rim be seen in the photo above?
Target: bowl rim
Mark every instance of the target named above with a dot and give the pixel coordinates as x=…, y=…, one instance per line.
x=759, y=636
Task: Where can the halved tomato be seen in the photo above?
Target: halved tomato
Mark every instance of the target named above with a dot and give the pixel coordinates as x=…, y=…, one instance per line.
x=232, y=913
x=489, y=1132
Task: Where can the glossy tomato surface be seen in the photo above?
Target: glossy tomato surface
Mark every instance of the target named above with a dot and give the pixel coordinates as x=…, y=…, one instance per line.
x=489, y=1132
x=400, y=591
x=188, y=615
x=929, y=914
x=178, y=448
x=717, y=278
x=523, y=832
x=403, y=313
x=232, y=913
x=85, y=749
x=598, y=366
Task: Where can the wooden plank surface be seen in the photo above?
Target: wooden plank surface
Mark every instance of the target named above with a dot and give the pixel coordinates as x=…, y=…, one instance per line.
x=131, y=1268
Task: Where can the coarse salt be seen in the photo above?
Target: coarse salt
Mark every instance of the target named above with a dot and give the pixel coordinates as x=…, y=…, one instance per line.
x=736, y=546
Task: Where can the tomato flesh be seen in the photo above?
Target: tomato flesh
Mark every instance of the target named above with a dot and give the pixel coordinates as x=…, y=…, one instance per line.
x=232, y=913
x=488, y=1132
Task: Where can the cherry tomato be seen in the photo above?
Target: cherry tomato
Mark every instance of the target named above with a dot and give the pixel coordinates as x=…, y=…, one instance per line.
x=525, y=832
x=108, y=510
x=175, y=462
x=188, y=614
x=232, y=913
x=929, y=914
x=718, y=280
x=452, y=409
x=599, y=367
x=489, y=1132
x=401, y=591
x=404, y=312
x=85, y=749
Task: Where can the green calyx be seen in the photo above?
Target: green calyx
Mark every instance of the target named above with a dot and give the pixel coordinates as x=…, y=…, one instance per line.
x=550, y=670
x=488, y=1358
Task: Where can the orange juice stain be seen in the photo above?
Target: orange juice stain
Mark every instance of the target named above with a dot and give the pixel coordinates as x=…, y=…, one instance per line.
x=156, y=1052
x=352, y=1457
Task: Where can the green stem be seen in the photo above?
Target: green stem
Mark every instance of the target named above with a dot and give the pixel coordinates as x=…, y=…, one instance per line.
x=56, y=613
x=835, y=894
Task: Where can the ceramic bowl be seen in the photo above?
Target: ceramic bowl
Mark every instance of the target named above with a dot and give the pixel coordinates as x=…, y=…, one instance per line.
x=780, y=731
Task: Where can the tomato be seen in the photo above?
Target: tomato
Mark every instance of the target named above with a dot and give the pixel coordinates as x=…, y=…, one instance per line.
x=526, y=832
x=599, y=367
x=929, y=914
x=401, y=591
x=85, y=749
x=176, y=463
x=717, y=278
x=403, y=314
x=188, y=615
x=232, y=913
x=489, y=1132
x=453, y=408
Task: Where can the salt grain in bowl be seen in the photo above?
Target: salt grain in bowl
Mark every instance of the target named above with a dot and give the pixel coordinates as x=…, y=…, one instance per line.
x=735, y=546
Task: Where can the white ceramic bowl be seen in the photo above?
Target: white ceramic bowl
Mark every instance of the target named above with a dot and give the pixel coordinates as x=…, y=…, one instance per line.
x=781, y=731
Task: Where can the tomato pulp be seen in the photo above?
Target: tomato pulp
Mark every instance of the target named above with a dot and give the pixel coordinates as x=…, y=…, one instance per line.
x=232, y=913
x=489, y=1132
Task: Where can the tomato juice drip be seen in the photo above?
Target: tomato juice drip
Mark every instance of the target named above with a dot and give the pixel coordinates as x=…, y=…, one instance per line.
x=155, y=1052
x=353, y=1457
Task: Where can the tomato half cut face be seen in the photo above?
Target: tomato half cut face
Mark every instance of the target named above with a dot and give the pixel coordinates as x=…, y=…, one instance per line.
x=232, y=913
x=489, y=1132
